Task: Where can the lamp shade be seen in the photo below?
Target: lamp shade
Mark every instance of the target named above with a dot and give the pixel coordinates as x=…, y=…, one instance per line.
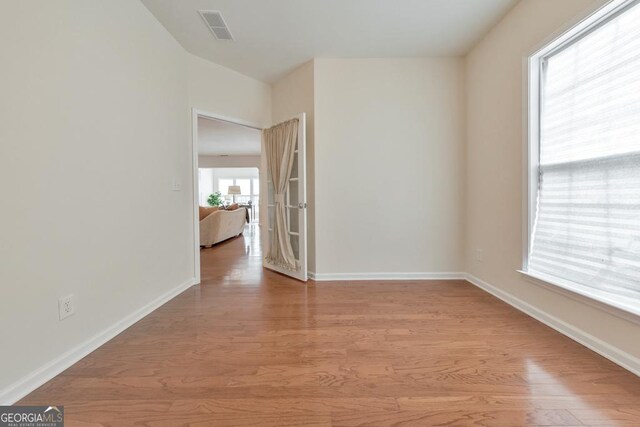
x=234, y=189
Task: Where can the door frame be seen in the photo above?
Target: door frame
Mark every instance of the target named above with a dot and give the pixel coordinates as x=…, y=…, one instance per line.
x=195, y=185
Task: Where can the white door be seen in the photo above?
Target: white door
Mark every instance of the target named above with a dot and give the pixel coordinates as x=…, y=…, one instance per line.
x=296, y=202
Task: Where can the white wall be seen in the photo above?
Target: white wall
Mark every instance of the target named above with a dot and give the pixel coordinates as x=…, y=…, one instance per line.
x=291, y=95
x=495, y=176
x=95, y=124
x=229, y=161
x=389, y=139
x=223, y=92
x=219, y=90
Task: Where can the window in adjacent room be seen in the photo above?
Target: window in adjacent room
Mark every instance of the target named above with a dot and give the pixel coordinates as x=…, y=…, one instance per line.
x=223, y=187
x=250, y=192
x=584, y=159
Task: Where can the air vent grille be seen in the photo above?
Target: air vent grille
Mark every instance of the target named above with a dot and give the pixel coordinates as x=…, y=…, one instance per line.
x=222, y=33
x=216, y=24
x=214, y=19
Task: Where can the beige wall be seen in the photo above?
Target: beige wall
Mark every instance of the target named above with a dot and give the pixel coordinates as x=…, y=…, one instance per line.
x=389, y=139
x=495, y=176
x=96, y=122
x=291, y=95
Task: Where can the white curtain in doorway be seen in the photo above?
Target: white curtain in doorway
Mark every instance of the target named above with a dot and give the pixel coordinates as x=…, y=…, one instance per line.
x=280, y=144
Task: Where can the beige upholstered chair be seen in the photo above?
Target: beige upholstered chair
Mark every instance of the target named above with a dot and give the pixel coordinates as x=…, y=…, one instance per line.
x=222, y=225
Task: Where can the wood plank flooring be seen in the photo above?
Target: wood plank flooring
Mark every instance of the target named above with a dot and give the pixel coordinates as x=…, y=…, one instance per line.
x=249, y=347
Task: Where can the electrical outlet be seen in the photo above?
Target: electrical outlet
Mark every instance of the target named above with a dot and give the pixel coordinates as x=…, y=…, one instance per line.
x=479, y=255
x=66, y=306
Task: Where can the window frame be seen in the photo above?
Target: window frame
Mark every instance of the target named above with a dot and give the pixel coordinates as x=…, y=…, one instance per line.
x=534, y=75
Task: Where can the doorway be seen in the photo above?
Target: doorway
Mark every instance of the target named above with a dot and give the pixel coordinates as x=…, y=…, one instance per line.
x=227, y=180
x=224, y=143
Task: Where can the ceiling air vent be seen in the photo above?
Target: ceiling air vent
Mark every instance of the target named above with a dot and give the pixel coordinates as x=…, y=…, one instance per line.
x=216, y=24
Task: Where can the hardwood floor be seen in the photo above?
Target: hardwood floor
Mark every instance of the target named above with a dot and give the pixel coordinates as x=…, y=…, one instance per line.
x=250, y=347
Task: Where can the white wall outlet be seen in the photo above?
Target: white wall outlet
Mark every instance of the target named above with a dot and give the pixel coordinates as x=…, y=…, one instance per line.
x=66, y=306
x=479, y=255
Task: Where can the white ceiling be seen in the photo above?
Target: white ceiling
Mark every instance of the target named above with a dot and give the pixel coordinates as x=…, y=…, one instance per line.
x=216, y=138
x=272, y=37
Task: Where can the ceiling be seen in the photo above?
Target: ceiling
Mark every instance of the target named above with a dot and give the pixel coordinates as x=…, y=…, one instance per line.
x=273, y=37
x=219, y=138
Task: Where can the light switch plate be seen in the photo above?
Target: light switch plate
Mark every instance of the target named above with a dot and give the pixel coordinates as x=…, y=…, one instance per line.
x=176, y=185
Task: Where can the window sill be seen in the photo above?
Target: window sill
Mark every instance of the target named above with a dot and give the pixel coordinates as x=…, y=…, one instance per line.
x=621, y=308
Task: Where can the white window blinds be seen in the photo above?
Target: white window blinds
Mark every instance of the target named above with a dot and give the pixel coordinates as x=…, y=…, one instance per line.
x=587, y=226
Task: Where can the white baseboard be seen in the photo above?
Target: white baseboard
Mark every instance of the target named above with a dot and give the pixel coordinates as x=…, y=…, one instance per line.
x=616, y=355
x=324, y=277
x=29, y=383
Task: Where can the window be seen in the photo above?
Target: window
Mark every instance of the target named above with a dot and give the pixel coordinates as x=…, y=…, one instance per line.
x=584, y=158
x=245, y=186
x=224, y=184
x=250, y=188
x=205, y=179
